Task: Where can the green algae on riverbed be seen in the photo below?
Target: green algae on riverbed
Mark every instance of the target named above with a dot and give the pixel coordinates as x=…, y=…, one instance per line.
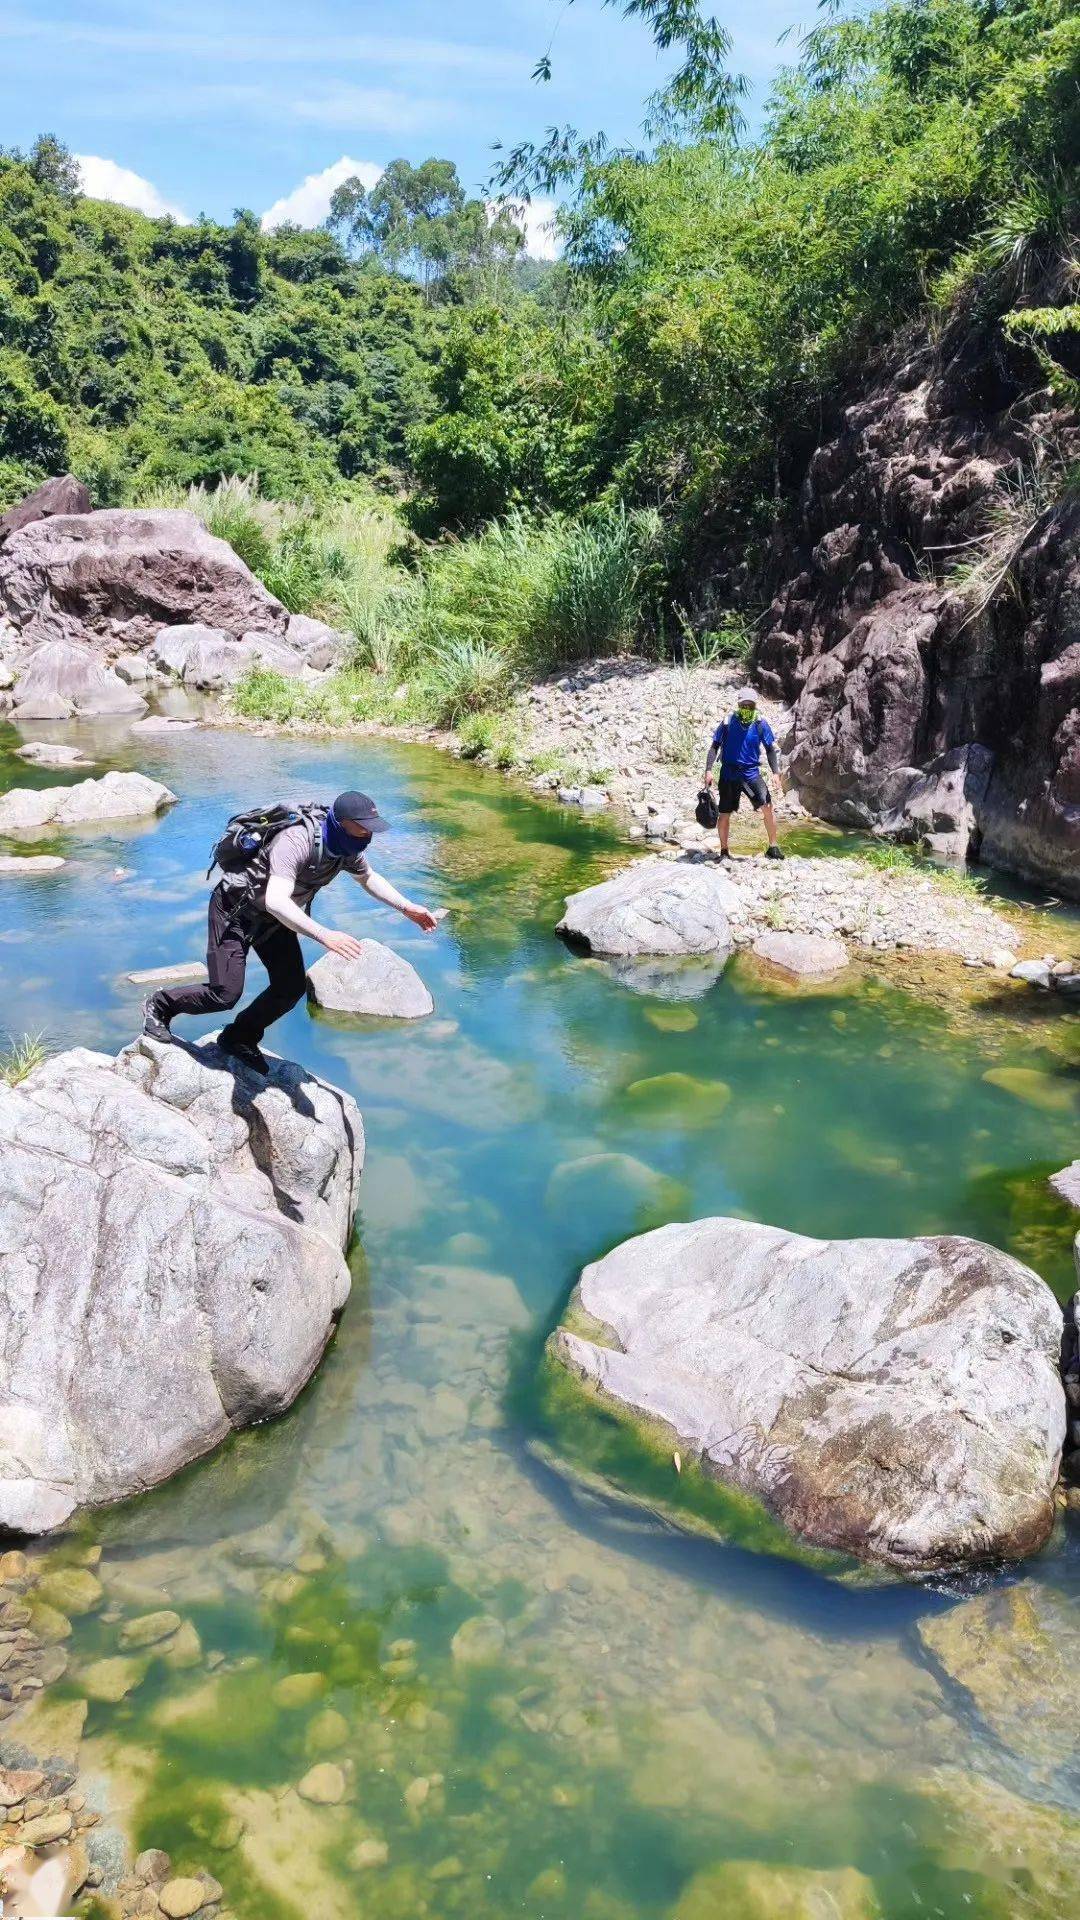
x=634, y=1711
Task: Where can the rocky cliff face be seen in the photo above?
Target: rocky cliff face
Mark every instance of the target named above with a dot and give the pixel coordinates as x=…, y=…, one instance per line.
x=940, y=708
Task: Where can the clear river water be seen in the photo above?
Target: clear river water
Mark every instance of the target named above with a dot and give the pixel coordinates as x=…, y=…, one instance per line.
x=543, y=1703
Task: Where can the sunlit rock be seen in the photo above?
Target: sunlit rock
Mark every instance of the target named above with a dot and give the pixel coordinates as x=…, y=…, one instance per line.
x=897, y=1400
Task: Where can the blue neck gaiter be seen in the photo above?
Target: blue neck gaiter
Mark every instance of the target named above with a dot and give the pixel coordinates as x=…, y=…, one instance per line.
x=335, y=838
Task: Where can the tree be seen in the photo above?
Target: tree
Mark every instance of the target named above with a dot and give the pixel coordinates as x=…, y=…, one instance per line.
x=418, y=221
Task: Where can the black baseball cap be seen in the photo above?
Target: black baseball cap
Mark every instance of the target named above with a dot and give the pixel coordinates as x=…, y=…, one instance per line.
x=360, y=810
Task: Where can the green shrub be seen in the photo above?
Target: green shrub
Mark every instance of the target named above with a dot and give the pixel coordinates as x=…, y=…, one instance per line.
x=465, y=676
x=20, y=1057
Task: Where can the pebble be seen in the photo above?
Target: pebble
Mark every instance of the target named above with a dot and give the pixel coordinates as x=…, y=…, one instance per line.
x=150, y=1629
x=44, y=1830
x=369, y=1853
x=180, y=1898
x=323, y=1785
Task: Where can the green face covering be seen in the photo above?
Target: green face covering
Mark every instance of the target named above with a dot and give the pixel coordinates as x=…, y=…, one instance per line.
x=746, y=714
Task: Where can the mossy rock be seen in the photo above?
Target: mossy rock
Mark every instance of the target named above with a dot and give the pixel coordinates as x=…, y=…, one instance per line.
x=753, y=1890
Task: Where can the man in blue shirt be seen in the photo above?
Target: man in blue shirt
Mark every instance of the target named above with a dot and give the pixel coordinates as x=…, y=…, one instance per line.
x=738, y=741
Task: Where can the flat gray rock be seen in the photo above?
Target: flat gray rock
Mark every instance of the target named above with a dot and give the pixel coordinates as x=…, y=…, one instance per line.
x=184, y=970
x=164, y=723
x=806, y=956
x=22, y=863
x=172, y=1231
x=898, y=1400
x=380, y=983
x=47, y=753
x=654, y=907
x=209, y=658
x=116, y=796
x=1067, y=1183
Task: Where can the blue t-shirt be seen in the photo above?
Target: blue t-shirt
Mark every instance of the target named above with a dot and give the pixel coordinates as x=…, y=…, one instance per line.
x=739, y=746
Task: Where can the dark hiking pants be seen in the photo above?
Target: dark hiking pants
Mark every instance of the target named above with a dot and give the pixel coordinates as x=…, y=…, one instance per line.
x=228, y=944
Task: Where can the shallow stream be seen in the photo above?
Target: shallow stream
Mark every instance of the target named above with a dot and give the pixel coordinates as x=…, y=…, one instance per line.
x=543, y=1705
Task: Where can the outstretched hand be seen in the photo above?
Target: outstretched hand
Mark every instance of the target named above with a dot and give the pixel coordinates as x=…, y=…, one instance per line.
x=342, y=944
x=420, y=917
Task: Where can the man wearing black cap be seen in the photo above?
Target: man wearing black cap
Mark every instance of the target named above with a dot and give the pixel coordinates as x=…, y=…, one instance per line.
x=265, y=905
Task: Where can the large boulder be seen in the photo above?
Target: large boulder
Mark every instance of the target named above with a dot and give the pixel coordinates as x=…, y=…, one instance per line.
x=322, y=647
x=116, y=796
x=121, y=574
x=65, y=494
x=654, y=907
x=172, y=1235
x=65, y=678
x=208, y=658
x=898, y=1400
x=380, y=982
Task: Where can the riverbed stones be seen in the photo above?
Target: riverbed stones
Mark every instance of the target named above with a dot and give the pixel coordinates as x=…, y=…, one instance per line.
x=654, y=907
x=209, y=658
x=379, y=983
x=1012, y=1655
x=188, y=1218
x=64, y=679
x=116, y=796
x=324, y=1785
x=898, y=1400
x=478, y=1641
x=179, y=1899
x=111, y=1680
x=149, y=1629
x=1066, y=1183
x=804, y=956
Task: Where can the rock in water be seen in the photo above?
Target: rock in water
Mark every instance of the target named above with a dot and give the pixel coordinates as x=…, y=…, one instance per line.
x=45, y=753
x=171, y=1263
x=379, y=982
x=807, y=956
x=654, y=907
x=898, y=1400
x=208, y=658
x=116, y=796
x=64, y=678
x=1013, y=1653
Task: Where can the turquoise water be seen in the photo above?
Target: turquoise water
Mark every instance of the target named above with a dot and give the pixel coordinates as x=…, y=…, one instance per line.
x=539, y=1704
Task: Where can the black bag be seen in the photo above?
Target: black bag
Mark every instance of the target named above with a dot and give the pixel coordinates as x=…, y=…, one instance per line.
x=706, y=813
x=248, y=835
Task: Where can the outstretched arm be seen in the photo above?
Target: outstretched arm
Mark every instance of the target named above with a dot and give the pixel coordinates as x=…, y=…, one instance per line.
x=280, y=902
x=382, y=889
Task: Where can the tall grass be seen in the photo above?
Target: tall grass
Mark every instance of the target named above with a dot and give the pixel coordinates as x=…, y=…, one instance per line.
x=19, y=1058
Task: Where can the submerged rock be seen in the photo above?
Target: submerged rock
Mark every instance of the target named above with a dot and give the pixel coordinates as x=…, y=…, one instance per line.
x=178, y=1224
x=757, y=1890
x=654, y=907
x=116, y=796
x=808, y=956
x=379, y=983
x=47, y=753
x=898, y=1400
x=1013, y=1654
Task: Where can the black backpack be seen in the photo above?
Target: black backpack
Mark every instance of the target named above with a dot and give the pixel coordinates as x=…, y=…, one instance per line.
x=706, y=813
x=248, y=835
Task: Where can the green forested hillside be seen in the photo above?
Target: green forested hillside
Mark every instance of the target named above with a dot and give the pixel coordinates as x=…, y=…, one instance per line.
x=719, y=299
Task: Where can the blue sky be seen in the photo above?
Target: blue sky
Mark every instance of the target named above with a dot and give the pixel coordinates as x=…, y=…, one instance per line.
x=206, y=107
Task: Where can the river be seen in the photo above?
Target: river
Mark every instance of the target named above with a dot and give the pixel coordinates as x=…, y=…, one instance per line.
x=542, y=1703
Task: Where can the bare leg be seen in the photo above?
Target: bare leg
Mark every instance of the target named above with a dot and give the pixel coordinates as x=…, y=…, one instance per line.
x=768, y=814
x=723, y=828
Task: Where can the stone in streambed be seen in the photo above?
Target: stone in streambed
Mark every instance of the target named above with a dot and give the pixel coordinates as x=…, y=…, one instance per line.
x=1034, y=1087
x=149, y=1629
x=48, y=753
x=805, y=956
x=478, y=1641
x=367, y=1854
x=654, y=907
x=898, y=1400
x=74, y=1590
x=1013, y=1654
x=112, y=1679
x=116, y=796
x=299, y=1690
x=323, y=1785
x=46, y=1829
x=1066, y=1183
x=64, y=678
x=756, y=1890
x=679, y=1096
x=379, y=983
x=23, y=863
x=328, y=1731
x=179, y=1899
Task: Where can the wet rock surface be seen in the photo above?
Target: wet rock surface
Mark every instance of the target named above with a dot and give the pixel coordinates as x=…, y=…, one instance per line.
x=174, y=1208
x=899, y=1400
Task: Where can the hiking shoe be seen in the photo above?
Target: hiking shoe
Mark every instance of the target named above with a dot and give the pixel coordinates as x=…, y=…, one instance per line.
x=725, y=856
x=154, y=1023
x=243, y=1050
x=775, y=853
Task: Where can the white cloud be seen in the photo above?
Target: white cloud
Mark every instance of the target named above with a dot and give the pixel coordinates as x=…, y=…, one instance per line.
x=536, y=219
x=106, y=180
x=309, y=203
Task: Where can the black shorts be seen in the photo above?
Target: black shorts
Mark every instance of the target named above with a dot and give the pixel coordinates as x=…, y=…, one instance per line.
x=730, y=792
